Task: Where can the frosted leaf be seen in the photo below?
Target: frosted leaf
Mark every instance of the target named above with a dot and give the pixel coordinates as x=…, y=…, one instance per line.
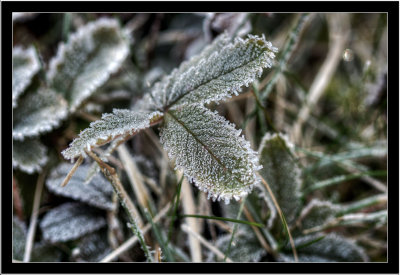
x=38, y=112
x=217, y=73
x=281, y=173
x=87, y=60
x=29, y=155
x=110, y=126
x=317, y=213
x=222, y=74
x=25, y=66
x=332, y=248
x=18, y=239
x=93, y=247
x=245, y=246
x=210, y=151
x=97, y=192
x=70, y=221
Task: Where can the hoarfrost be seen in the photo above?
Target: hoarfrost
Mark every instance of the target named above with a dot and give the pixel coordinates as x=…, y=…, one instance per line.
x=29, y=155
x=210, y=152
x=70, y=221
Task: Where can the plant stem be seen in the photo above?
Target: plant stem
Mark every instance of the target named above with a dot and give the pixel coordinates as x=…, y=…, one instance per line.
x=72, y=171
x=222, y=219
x=124, y=199
x=34, y=216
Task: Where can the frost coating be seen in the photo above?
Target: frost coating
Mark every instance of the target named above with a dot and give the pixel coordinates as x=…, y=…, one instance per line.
x=217, y=73
x=96, y=193
x=119, y=123
x=281, y=172
x=37, y=113
x=25, y=66
x=317, y=213
x=210, y=151
x=70, y=221
x=92, y=53
x=332, y=248
x=29, y=155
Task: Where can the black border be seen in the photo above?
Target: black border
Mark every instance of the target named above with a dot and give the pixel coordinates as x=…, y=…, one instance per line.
x=392, y=8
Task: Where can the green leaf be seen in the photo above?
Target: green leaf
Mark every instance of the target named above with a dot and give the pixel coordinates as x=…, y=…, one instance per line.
x=331, y=248
x=317, y=213
x=281, y=172
x=19, y=239
x=216, y=74
x=119, y=123
x=96, y=193
x=25, y=66
x=210, y=151
x=87, y=60
x=44, y=252
x=70, y=221
x=29, y=155
x=93, y=247
x=37, y=113
x=245, y=246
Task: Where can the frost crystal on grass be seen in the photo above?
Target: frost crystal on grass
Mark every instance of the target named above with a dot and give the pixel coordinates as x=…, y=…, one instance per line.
x=91, y=54
x=210, y=151
x=96, y=193
x=119, y=123
x=29, y=155
x=37, y=113
x=317, y=213
x=70, y=221
x=25, y=66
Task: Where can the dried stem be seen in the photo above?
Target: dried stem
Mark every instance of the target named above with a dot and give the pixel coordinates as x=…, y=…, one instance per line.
x=34, y=216
x=125, y=201
x=130, y=242
x=72, y=171
x=211, y=247
x=189, y=208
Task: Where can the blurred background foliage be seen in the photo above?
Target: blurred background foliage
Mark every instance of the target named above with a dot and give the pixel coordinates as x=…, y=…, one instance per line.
x=327, y=93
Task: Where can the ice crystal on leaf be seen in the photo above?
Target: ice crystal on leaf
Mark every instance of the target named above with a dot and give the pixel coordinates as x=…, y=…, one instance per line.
x=210, y=151
x=37, y=113
x=29, y=155
x=317, y=213
x=86, y=61
x=70, y=221
x=96, y=193
x=25, y=66
x=326, y=248
x=217, y=73
x=119, y=123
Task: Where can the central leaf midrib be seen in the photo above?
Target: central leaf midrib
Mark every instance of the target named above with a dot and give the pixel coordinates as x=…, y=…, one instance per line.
x=208, y=81
x=199, y=141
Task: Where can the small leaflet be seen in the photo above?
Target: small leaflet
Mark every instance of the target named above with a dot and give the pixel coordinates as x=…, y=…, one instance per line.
x=317, y=213
x=70, y=221
x=281, y=173
x=29, y=155
x=86, y=61
x=38, y=112
x=110, y=126
x=96, y=193
x=25, y=66
x=329, y=248
x=217, y=73
x=210, y=151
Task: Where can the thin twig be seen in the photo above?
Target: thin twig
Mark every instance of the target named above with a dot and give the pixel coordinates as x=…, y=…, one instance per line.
x=125, y=201
x=72, y=171
x=34, y=216
x=211, y=247
x=132, y=241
